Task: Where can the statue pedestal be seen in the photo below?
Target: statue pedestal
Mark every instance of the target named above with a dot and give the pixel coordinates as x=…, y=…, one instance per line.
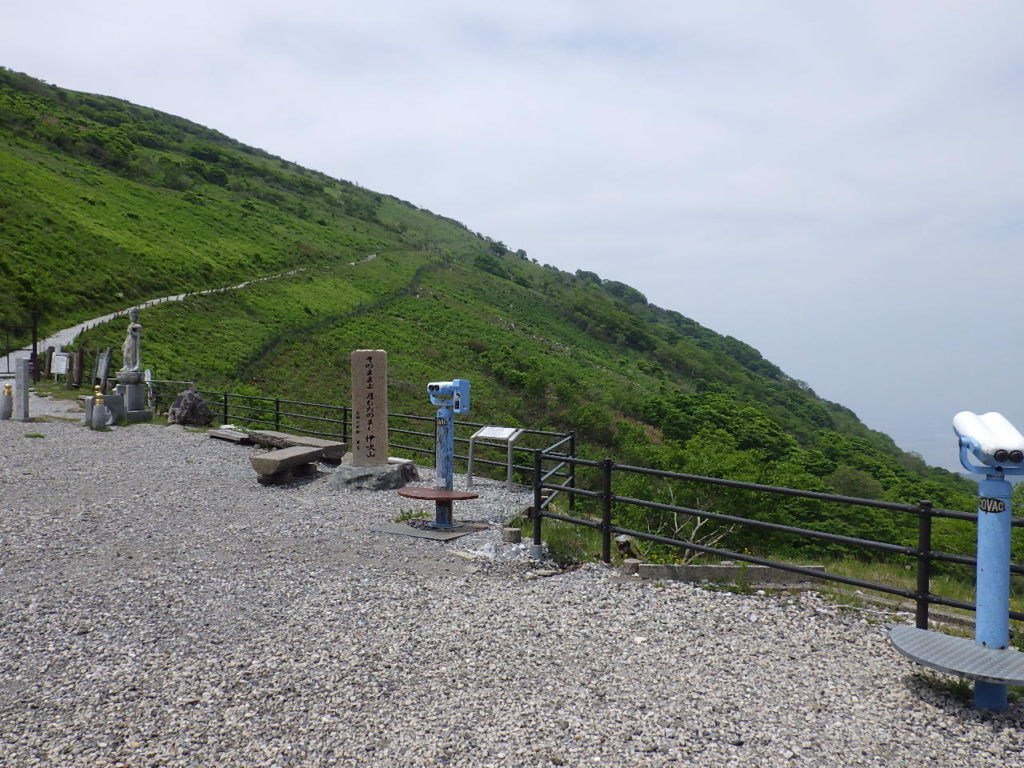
x=129, y=384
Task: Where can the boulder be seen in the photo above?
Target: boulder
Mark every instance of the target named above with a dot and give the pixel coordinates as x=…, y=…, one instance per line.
x=189, y=409
x=395, y=474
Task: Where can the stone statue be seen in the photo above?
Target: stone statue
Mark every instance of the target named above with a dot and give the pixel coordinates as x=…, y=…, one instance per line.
x=132, y=342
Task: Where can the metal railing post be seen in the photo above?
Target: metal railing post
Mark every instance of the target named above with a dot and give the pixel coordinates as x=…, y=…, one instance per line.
x=606, y=511
x=571, y=480
x=924, y=562
x=277, y=413
x=225, y=409
x=537, y=499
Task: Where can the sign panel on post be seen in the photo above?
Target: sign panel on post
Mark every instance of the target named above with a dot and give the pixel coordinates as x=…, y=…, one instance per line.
x=59, y=365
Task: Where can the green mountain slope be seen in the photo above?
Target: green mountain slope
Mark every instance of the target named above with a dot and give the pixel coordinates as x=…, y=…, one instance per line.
x=104, y=203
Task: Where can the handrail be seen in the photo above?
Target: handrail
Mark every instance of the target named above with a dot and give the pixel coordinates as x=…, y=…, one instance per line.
x=922, y=553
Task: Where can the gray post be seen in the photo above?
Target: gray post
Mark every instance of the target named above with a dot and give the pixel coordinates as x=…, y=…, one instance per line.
x=21, y=383
x=6, y=403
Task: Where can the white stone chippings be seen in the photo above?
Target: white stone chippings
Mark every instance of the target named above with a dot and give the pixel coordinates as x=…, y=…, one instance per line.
x=159, y=607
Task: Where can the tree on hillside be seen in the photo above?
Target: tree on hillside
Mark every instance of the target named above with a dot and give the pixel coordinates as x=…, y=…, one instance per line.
x=34, y=296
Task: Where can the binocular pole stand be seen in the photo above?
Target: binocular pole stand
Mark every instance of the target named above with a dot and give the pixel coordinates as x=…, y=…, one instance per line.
x=987, y=660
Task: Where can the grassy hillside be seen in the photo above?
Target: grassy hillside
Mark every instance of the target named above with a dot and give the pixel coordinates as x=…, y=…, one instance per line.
x=104, y=203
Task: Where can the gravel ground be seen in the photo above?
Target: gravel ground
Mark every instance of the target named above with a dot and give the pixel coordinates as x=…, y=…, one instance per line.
x=160, y=608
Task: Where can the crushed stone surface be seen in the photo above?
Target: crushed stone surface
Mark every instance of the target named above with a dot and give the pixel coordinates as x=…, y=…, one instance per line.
x=158, y=607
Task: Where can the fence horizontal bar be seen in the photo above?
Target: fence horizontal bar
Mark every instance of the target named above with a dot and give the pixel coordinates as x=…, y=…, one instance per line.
x=833, y=537
x=220, y=396
x=728, y=554
x=395, y=430
x=256, y=408
x=411, y=448
x=324, y=406
x=570, y=459
x=947, y=557
x=569, y=489
x=890, y=505
x=316, y=433
x=411, y=416
x=953, y=603
x=574, y=520
x=311, y=418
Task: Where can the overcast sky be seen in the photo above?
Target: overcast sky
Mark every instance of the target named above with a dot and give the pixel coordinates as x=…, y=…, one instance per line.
x=839, y=184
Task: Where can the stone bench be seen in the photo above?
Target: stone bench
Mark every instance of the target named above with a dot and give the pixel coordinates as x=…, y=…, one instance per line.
x=333, y=450
x=281, y=465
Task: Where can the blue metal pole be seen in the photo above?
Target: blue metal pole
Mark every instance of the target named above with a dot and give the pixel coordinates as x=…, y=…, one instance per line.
x=992, y=591
x=444, y=449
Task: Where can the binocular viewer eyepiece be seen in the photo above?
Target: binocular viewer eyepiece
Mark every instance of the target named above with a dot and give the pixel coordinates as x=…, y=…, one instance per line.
x=993, y=440
x=454, y=393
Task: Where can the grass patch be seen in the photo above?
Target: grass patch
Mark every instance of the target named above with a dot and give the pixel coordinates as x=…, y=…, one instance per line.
x=58, y=390
x=961, y=689
x=410, y=514
x=567, y=544
x=34, y=434
x=954, y=586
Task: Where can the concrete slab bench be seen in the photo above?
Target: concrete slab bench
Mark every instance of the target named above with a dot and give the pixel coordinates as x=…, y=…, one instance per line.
x=281, y=465
x=332, y=450
x=231, y=435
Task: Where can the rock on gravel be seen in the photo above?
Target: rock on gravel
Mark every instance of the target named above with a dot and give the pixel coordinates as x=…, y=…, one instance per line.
x=160, y=608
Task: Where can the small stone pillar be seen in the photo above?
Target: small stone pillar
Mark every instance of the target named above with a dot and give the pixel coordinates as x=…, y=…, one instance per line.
x=6, y=403
x=90, y=401
x=100, y=414
x=369, y=407
x=21, y=384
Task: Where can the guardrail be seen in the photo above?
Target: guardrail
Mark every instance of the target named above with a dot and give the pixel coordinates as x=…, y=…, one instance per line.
x=921, y=553
x=408, y=434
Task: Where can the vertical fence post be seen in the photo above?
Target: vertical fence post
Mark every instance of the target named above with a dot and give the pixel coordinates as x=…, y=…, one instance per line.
x=924, y=561
x=344, y=424
x=537, y=501
x=571, y=480
x=225, y=409
x=277, y=413
x=606, y=511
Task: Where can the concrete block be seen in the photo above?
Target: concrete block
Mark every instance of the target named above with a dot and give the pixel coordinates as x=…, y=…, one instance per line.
x=724, y=574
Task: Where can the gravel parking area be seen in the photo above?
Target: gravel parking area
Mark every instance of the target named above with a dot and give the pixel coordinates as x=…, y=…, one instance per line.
x=160, y=608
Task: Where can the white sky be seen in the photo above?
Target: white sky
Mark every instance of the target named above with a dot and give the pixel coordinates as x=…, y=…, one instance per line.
x=837, y=183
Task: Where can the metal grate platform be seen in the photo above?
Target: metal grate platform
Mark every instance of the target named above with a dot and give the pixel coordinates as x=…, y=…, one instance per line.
x=959, y=656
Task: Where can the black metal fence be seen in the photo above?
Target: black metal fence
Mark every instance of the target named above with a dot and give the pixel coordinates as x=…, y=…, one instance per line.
x=922, y=554
x=409, y=435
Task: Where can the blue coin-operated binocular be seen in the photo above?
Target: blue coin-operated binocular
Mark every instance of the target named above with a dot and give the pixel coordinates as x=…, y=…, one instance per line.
x=453, y=394
x=452, y=397
x=994, y=442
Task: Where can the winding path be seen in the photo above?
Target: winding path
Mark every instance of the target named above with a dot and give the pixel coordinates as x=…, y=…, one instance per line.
x=63, y=338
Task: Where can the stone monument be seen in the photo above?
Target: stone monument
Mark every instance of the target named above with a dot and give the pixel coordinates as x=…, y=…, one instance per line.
x=368, y=465
x=369, y=407
x=129, y=378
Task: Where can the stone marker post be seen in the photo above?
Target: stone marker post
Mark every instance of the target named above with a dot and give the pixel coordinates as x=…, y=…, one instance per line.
x=102, y=370
x=21, y=384
x=6, y=402
x=369, y=407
